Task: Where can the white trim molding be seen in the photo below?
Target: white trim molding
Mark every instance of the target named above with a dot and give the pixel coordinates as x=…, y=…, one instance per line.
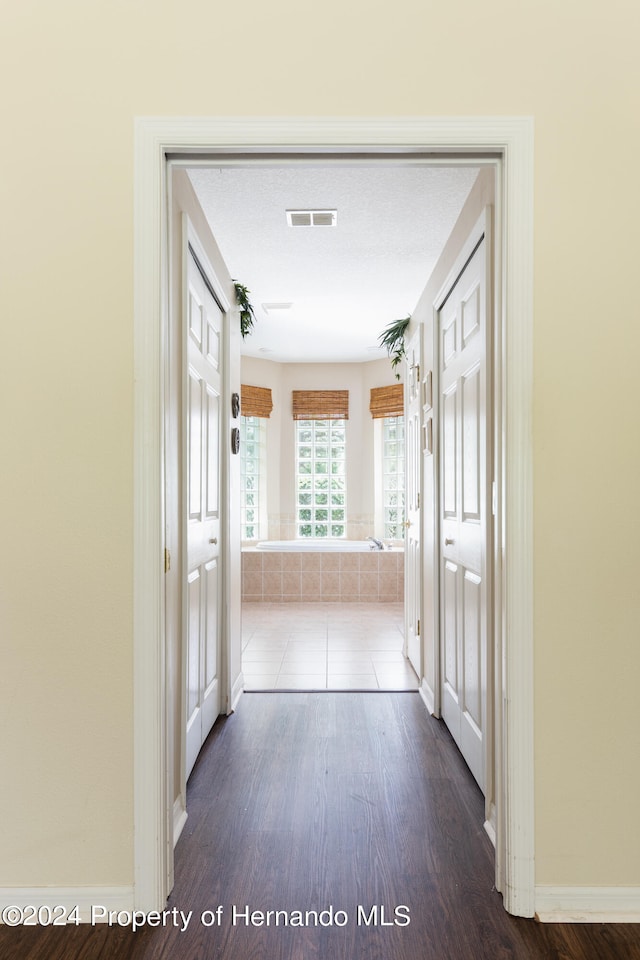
x=151, y=816
x=179, y=818
x=89, y=901
x=587, y=904
x=426, y=694
x=236, y=692
x=510, y=138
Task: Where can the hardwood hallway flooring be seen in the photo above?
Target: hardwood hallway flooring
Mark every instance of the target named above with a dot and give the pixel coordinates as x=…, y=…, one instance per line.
x=333, y=801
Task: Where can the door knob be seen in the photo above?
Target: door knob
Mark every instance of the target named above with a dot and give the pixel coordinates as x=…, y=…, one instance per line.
x=448, y=542
x=213, y=540
x=407, y=523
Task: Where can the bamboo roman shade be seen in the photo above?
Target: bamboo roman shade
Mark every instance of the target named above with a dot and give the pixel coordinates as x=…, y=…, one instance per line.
x=255, y=401
x=320, y=404
x=387, y=401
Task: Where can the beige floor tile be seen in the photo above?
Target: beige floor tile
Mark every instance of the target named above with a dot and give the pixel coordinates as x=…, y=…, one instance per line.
x=350, y=669
x=294, y=645
x=256, y=650
x=262, y=665
x=347, y=645
x=397, y=683
x=352, y=681
x=394, y=678
x=391, y=668
x=347, y=628
x=275, y=634
x=303, y=665
x=311, y=644
x=303, y=681
x=276, y=642
x=387, y=656
x=297, y=649
x=348, y=656
x=312, y=626
x=260, y=681
x=384, y=643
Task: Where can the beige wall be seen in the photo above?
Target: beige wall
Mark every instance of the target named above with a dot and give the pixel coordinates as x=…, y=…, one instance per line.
x=282, y=378
x=74, y=76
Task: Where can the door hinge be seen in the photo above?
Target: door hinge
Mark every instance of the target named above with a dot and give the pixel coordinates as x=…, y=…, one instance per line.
x=167, y=560
x=418, y=500
x=418, y=630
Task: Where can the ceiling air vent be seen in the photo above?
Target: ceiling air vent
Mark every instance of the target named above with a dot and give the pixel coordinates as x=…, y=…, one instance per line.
x=280, y=307
x=312, y=218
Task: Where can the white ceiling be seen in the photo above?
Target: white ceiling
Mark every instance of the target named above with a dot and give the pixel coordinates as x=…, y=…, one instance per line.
x=347, y=282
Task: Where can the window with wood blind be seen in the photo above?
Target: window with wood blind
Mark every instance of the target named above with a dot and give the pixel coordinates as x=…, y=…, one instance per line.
x=256, y=404
x=321, y=468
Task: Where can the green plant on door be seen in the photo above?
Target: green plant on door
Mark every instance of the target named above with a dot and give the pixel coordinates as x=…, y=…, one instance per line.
x=392, y=339
x=247, y=315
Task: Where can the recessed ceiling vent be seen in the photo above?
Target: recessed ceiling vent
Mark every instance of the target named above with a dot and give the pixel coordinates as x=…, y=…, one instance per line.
x=280, y=307
x=312, y=218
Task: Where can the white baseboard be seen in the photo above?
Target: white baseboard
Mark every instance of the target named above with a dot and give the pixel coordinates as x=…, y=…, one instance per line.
x=426, y=693
x=490, y=830
x=84, y=898
x=236, y=692
x=179, y=818
x=587, y=904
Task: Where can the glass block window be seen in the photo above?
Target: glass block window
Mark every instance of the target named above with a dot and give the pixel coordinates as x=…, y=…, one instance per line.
x=393, y=477
x=321, y=507
x=251, y=480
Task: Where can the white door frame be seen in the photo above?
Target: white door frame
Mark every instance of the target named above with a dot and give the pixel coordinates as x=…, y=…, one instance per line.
x=511, y=138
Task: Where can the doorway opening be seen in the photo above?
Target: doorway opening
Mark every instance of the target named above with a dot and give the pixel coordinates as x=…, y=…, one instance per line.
x=509, y=139
x=323, y=507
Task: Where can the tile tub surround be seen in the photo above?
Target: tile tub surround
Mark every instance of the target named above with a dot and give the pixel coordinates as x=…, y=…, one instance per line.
x=376, y=576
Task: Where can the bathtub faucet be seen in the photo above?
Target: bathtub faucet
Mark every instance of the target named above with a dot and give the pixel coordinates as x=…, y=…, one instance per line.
x=376, y=544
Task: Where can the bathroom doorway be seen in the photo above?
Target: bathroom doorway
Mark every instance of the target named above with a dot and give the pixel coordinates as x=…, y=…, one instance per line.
x=331, y=253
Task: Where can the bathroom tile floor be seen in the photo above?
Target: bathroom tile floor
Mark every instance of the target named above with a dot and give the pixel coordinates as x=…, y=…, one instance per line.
x=324, y=646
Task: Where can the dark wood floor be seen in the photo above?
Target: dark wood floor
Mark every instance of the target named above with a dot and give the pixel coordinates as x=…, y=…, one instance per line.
x=306, y=802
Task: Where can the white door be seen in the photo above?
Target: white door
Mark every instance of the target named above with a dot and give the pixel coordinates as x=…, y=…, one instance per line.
x=412, y=563
x=464, y=433
x=204, y=318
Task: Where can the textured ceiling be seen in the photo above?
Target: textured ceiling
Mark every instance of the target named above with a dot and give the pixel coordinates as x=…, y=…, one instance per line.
x=347, y=282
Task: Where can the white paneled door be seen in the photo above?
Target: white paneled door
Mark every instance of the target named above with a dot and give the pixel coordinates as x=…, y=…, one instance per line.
x=412, y=539
x=203, y=317
x=464, y=424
